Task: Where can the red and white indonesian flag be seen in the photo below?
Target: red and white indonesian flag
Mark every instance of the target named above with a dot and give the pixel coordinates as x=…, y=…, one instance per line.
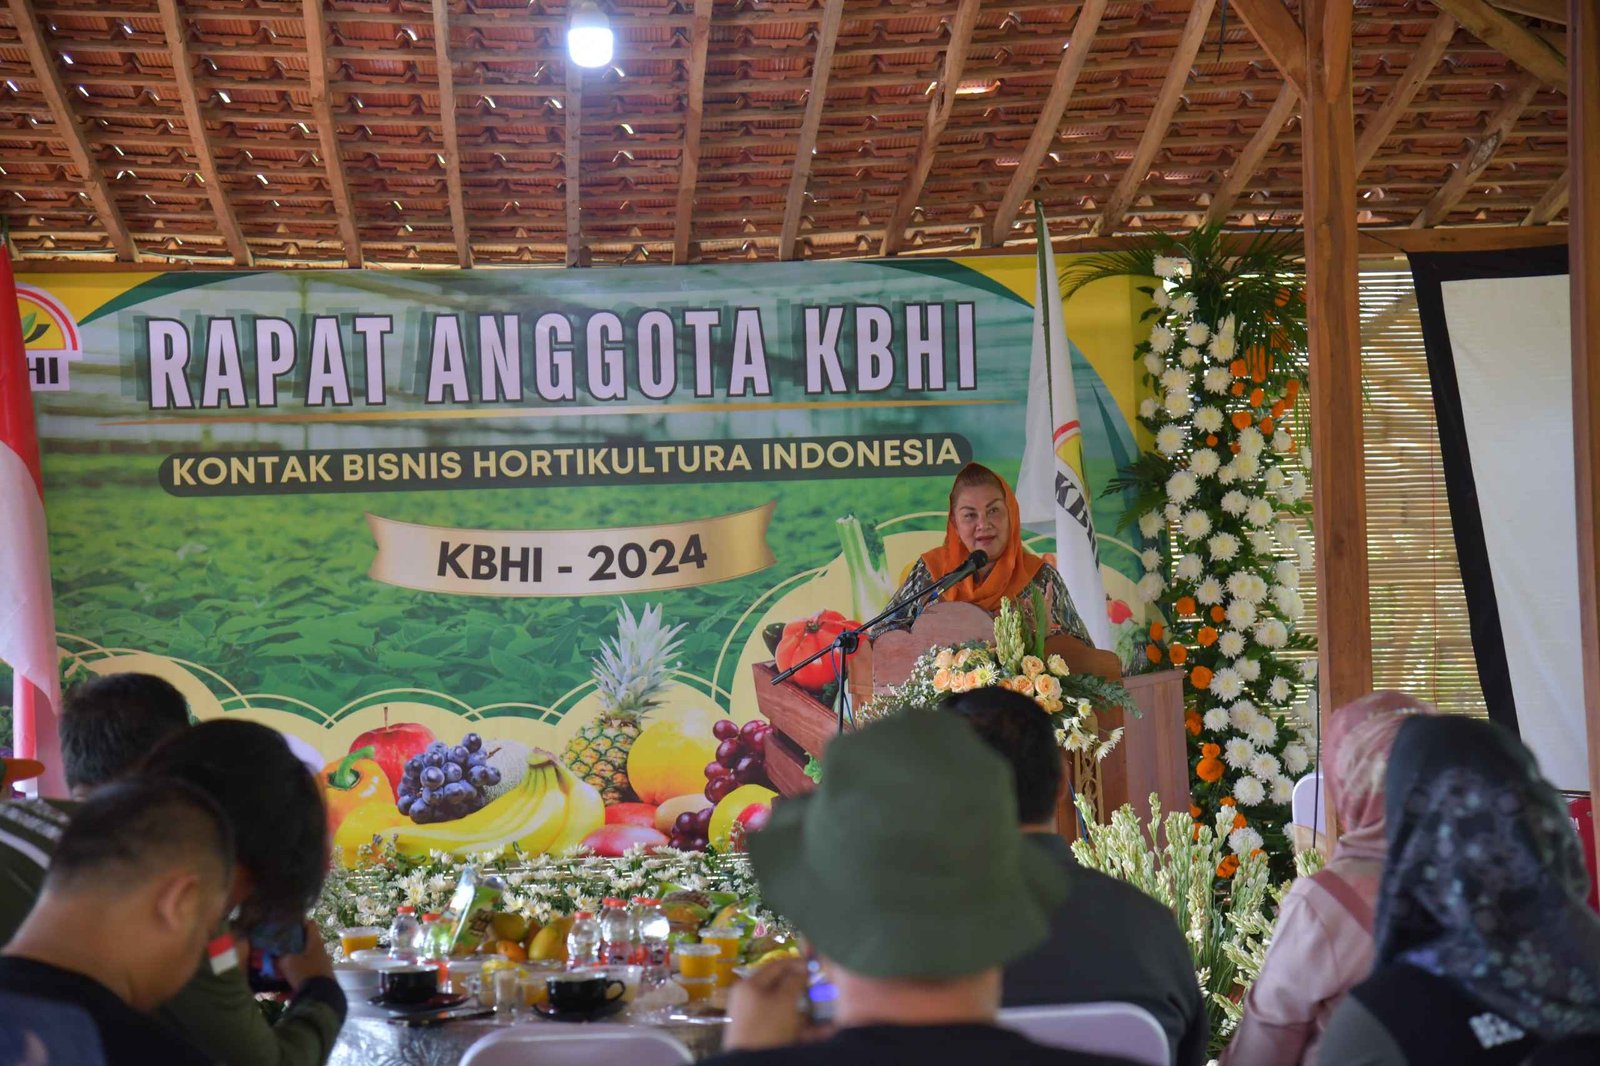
x=27, y=615
x=1051, y=490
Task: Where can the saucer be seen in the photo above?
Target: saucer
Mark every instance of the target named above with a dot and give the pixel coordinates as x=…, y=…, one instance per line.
x=547, y=1011
x=442, y=1001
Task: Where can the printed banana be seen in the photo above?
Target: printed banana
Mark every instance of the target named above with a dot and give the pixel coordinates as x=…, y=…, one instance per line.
x=586, y=811
x=530, y=817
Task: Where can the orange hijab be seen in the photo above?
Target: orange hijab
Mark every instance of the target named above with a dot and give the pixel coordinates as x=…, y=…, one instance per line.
x=1013, y=570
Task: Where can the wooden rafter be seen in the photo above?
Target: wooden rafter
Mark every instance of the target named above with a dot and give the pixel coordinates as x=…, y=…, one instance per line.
x=55, y=94
x=1549, y=10
x=1480, y=155
x=800, y=176
x=1155, y=130
x=327, y=132
x=1279, y=35
x=1511, y=38
x=689, y=167
x=183, y=70
x=572, y=155
x=939, y=111
x=1427, y=55
x=452, y=145
x=1249, y=159
x=1552, y=203
x=1049, y=124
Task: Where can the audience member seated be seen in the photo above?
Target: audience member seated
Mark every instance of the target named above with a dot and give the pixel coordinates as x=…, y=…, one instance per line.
x=907, y=874
x=1139, y=954
x=1322, y=944
x=1486, y=951
x=107, y=725
x=137, y=884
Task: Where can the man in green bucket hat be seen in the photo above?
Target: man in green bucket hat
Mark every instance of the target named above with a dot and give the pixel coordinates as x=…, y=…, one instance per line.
x=906, y=872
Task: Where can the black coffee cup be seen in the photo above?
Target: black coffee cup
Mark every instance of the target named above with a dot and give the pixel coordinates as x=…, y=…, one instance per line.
x=409, y=984
x=582, y=993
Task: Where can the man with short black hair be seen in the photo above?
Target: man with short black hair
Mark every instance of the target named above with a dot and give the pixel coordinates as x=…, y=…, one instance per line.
x=138, y=882
x=1108, y=941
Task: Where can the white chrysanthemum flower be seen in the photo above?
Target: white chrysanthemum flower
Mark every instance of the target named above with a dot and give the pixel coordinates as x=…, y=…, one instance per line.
x=1161, y=298
x=1150, y=558
x=1155, y=364
x=1181, y=487
x=1242, y=716
x=1223, y=347
x=1151, y=523
x=1216, y=719
x=1247, y=465
x=1248, y=791
x=1188, y=568
x=1150, y=587
x=1305, y=458
x=1251, y=442
x=1208, y=420
x=1259, y=513
x=1261, y=541
x=1249, y=669
x=1241, y=614
x=1239, y=584
x=1235, y=502
x=1196, y=524
x=1217, y=379
x=1148, y=407
x=1282, y=442
x=1228, y=326
x=1287, y=574
x=1296, y=758
x=1177, y=404
x=1244, y=841
x=1174, y=379
x=1190, y=356
x=1223, y=546
x=1308, y=669
x=1289, y=603
x=1226, y=684
x=1272, y=634
x=1197, y=333
x=1228, y=474
x=1231, y=643
x=1280, y=690
x=1238, y=752
x=1265, y=765
x=1263, y=731
x=1161, y=340
x=1298, y=487
x=1169, y=440
x=1282, y=791
x=1209, y=591
x=1167, y=266
x=1185, y=304
x=1204, y=463
x=1276, y=479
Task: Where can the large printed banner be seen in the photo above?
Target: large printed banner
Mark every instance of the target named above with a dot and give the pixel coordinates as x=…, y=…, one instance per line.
x=563, y=511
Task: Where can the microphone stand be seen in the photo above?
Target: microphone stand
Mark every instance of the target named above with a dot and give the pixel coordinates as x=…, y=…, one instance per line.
x=845, y=644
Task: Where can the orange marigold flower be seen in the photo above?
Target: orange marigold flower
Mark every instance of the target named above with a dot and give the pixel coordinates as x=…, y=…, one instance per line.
x=1210, y=751
x=1237, y=368
x=1227, y=801
x=1211, y=439
x=1228, y=866
x=1192, y=723
x=1186, y=605
x=1157, y=630
x=1152, y=652
x=1241, y=419
x=1278, y=408
x=1194, y=812
x=1218, y=614
x=1292, y=390
x=1200, y=677
x=1196, y=831
x=1238, y=821
x=1238, y=388
x=1257, y=397
x=1208, y=770
x=1178, y=654
x=1234, y=447
x=1207, y=636
x=1267, y=427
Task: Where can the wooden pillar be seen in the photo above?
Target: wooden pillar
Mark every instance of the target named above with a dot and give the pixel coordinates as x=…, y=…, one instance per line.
x=1344, y=621
x=1583, y=237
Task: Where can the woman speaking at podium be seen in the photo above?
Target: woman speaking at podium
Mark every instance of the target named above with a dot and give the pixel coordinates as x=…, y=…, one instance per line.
x=984, y=517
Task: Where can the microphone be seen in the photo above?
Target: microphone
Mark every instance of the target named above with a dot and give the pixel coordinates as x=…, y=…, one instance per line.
x=974, y=562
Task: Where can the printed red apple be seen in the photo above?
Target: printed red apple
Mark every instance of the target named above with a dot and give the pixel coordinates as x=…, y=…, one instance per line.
x=392, y=745
x=631, y=814
x=613, y=841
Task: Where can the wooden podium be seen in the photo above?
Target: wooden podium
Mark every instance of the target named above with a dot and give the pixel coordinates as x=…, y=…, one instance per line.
x=1151, y=757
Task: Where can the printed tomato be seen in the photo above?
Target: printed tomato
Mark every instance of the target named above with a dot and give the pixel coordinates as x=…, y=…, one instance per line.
x=804, y=638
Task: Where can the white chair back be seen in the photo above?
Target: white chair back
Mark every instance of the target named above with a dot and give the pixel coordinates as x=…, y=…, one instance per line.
x=585, y=1045
x=1308, y=805
x=1123, y=1030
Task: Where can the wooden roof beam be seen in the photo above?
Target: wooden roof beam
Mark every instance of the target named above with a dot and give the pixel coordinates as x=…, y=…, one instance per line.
x=327, y=133
x=1549, y=10
x=1552, y=203
x=1049, y=124
x=183, y=70
x=1280, y=37
x=572, y=153
x=1429, y=51
x=1515, y=41
x=1155, y=130
x=821, y=67
x=95, y=186
x=939, y=110
x=451, y=149
x=1248, y=161
x=689, y=167
x=1471, y=166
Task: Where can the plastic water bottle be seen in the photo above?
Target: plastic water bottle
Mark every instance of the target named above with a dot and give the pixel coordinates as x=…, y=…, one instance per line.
x=652, y=930
x=616, y=933
x=583, y=942
x=403, y=933
x=430, y=945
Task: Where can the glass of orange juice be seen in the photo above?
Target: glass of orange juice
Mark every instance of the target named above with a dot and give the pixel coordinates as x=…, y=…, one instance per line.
x=698, y=988
x=725, y=973
x=698, y=961
x=359, y=938
x=726, y=940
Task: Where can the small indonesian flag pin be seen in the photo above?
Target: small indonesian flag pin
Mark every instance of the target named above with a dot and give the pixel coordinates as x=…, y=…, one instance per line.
x=222, y=954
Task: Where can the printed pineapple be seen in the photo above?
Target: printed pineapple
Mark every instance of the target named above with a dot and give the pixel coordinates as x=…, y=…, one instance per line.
x=628, y=673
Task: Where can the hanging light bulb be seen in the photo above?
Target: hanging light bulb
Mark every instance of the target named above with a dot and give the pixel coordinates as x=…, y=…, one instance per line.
x=590, y=42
